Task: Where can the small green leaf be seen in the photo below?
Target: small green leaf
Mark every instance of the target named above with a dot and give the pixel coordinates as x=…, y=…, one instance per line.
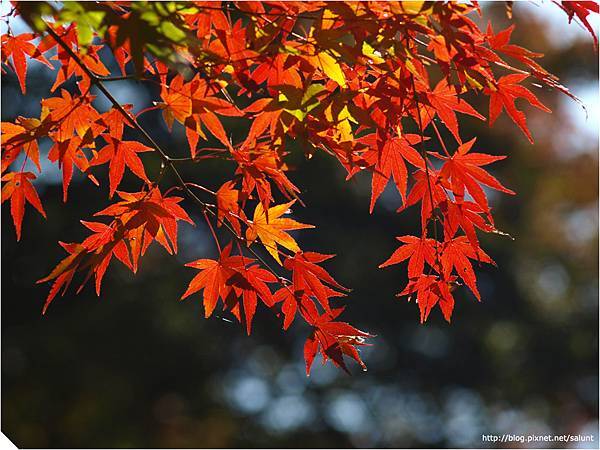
x=309, y=99
x=172, y=32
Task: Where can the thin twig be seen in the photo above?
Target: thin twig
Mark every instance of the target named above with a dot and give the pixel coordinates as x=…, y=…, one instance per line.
x=429, y=189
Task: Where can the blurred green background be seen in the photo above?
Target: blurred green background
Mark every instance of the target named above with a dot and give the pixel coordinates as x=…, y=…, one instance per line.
x=138, y=368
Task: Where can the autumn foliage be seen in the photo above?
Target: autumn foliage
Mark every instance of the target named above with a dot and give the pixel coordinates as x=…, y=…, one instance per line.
x=370, y=84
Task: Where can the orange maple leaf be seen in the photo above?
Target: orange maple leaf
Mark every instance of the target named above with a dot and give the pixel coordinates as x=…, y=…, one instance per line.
x=271, y=229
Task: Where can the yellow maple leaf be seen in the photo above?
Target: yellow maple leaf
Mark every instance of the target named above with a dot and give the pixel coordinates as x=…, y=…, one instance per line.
x=271, y=230
x=412, y=7
x=330, y=67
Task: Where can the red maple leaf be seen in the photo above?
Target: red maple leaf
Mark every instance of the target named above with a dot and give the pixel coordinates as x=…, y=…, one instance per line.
x=257, y=167
x=148, y=216
x=106, y=241
x=72, y=115
x=64, y=272
x=465, y=215
x=387, y=159
x=115, y=122
x=192, y=105
x=310, y=279
x=503, y=96
x=463, y=171
x=417, y=250
x=19, y=48
x=228, y=206
x=500, y=42
x=69, y=67
x=120, y=154
x=250, y=283
x=18, y=188
x=22, y=136
x=213, y=277
x=432, y=291
x=177, y=101
x=70, y=153
x=334, y=340
x=289, y=303
x=426, y=190
x=446, y=103
x=456, y=254
x=582, y=10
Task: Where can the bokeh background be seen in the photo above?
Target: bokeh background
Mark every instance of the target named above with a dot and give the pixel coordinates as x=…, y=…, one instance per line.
x=138, y=368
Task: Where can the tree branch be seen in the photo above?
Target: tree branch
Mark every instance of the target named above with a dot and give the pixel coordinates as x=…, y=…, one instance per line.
x=167, y=161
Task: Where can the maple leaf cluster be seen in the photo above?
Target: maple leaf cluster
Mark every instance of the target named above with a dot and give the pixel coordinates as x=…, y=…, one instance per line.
x=369, y=84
